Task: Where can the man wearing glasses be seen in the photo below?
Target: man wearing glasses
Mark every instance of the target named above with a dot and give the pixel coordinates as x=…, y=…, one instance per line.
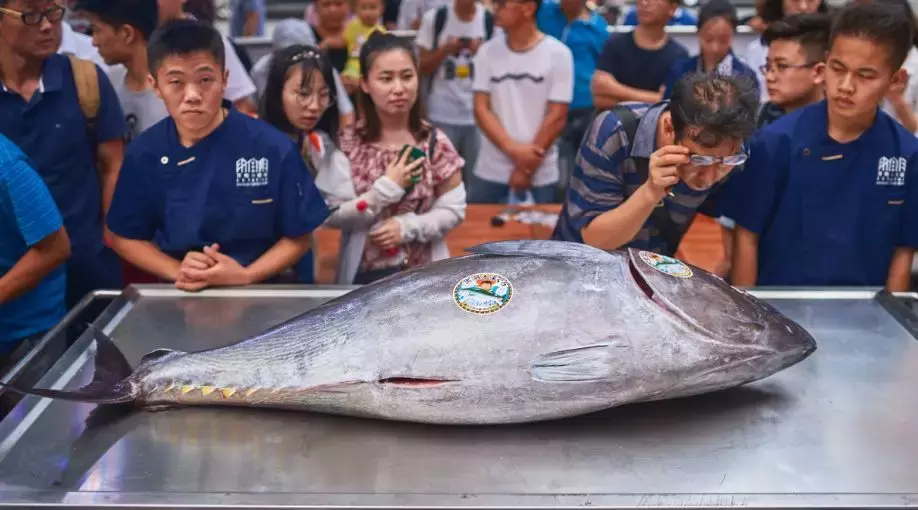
x=40, y=112
x=643, y=171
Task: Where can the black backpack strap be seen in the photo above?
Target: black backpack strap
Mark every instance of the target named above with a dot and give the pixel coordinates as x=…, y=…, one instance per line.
x=439, y=23
x=659, y=218
x=489, y=25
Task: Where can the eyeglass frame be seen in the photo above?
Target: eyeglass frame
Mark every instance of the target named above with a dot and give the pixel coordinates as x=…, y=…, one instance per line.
x=732, y=160
x=764, y=68
x=42, y=15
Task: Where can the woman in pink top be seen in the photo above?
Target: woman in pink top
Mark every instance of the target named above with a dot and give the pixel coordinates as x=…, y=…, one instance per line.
x=393, y=212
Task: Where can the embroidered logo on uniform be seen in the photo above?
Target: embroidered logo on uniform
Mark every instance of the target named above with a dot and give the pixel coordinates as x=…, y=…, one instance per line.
x=251, y=172
x=891, y=171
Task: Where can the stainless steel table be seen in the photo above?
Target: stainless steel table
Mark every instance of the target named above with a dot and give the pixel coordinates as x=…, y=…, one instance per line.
x=838, y=430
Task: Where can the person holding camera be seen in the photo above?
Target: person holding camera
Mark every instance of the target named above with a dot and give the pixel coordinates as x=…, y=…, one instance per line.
x=448, y=39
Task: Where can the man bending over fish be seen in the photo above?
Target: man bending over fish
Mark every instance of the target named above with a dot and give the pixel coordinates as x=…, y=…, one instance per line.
x=644, y=170
x=209, y=196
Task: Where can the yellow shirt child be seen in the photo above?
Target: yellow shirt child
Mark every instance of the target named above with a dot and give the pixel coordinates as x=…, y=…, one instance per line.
x=358, y=30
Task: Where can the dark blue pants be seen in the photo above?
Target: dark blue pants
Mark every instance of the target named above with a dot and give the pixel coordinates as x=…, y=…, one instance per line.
x=86, y=273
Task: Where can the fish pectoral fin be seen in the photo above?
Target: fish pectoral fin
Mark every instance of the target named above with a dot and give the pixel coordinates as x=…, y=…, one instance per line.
x=587, y=363
x=543, y=249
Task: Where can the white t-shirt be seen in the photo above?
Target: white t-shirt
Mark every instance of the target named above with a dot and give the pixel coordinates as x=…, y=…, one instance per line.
x=450, y=99
x=410, y=10
x=521, y=85
x=80, y=45
x=239, y=85
x=141, y=109
x=755, y=57
x=911, y=89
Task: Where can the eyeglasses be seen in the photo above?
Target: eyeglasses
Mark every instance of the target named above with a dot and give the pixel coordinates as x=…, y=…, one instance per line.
x=31, y=18
x=323, y=98
x=733, y=160
x=781, y=67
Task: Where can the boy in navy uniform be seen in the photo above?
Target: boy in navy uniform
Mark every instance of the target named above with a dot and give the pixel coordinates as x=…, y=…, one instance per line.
x=829, y=195
x=795, y=68
x=210, y=196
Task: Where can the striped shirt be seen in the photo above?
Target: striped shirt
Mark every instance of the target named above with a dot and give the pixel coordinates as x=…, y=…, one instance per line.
x=605, y=175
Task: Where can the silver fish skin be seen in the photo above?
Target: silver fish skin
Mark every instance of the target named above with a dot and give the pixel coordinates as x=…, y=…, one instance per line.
x=584, y=330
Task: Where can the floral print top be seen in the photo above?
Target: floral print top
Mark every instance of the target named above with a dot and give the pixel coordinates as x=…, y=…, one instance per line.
x=369, y=161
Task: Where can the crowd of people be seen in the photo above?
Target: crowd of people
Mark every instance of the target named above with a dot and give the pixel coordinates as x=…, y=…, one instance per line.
x=160, y=154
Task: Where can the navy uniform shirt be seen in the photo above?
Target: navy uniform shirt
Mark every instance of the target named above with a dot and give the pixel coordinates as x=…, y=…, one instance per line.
x=244, y=186
x=51, y=130
x=827, y=213
x=605, y=176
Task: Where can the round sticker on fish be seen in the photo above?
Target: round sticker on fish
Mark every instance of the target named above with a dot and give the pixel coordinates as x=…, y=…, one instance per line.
x=483, y=293
x=666, y=265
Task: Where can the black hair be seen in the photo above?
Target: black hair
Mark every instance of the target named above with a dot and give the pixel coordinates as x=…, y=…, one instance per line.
x=883, y=23
x=311, y=60
x=810, y=31
x=370, y=125
x=773, y=10
x=719, y=107
x=905, y=4
x=714, y=9
x=183, y=37
x=143, y=15
x=203, y=10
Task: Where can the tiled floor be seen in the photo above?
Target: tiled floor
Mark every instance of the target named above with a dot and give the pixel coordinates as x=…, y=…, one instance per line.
x=701, y=247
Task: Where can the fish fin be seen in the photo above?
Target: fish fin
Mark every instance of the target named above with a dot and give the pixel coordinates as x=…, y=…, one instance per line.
x=541, y=248
x=157, y=354
x=587, y=363
x=109, y=384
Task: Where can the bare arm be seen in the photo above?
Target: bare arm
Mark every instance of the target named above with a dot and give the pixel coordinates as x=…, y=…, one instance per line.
x=552, y=125
x=489, y=123
x=285, y=253
x=110, y=155
x=146, y=256
x=430, y=60
x=617, y=227
x=900, y=270
x=608, y=92
x=42, y=258
x=745, y=257
x=251, y=23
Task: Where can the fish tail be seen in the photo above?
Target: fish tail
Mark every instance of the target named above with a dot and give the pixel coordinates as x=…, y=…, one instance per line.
x=110, y=384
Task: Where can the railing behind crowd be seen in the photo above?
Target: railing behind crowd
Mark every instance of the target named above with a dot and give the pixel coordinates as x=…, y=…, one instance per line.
x=685, y=35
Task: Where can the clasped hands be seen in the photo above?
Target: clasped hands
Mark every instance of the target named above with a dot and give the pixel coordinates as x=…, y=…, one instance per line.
x=210, y=268
x=526, y=158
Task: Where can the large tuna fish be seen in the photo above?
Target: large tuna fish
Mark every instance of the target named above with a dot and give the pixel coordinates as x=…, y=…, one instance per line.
x=519, y=331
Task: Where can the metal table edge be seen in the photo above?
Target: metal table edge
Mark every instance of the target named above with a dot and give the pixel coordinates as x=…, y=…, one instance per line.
x=60, y=327
x=891, y=302
x=453, y=501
